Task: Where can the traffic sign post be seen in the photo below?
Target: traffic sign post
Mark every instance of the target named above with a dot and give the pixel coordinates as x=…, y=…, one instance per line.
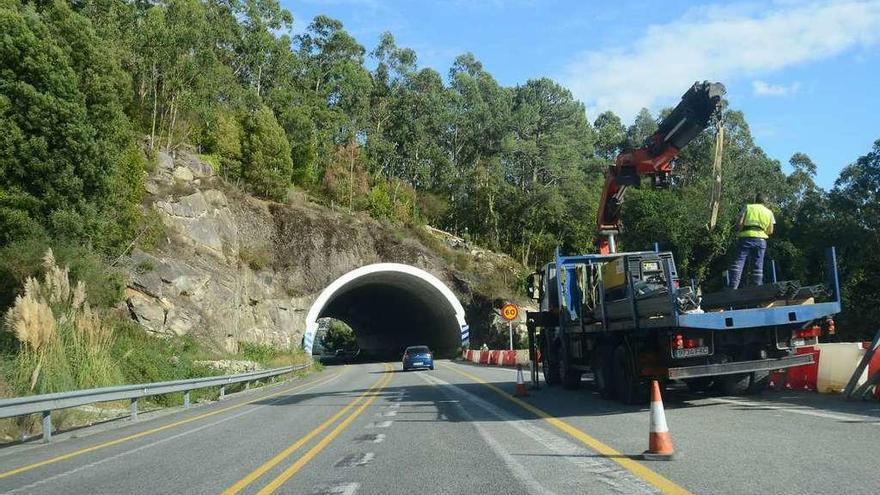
x=509, y=312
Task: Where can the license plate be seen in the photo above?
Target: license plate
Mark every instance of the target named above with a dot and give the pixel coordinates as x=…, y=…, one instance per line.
x=418, y=363
x=693, y=351
x=798, y=342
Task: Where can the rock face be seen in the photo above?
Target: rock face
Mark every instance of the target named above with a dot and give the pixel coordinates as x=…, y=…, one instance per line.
x=233, y=268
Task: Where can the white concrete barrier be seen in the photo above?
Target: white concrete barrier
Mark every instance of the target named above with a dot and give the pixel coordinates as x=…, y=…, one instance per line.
x=837, y=362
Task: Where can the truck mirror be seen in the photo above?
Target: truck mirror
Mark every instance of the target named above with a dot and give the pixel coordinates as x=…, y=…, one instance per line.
x=533, y=285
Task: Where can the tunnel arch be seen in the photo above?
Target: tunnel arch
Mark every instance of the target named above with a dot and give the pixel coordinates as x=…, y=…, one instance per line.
x=390, y=306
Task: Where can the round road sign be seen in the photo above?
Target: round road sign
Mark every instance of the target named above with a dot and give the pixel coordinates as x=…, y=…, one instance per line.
x=509, y=312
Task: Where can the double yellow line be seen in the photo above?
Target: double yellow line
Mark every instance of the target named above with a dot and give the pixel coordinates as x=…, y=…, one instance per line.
x=365, y=399
x=151, y=431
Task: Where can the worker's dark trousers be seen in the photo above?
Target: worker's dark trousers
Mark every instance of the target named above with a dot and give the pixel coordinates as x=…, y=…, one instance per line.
x=755, y=246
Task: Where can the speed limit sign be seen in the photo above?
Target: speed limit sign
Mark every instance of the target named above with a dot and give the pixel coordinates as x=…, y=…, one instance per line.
x=509, y=312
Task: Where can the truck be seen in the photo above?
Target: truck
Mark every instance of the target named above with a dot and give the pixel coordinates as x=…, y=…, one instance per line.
x=628, y=318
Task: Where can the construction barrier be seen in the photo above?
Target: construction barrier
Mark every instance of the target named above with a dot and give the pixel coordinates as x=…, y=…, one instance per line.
x=499, y=358
x=873, y=366
x=833, y=365
x=509, y=358
x=493, y=357
x=838, y=362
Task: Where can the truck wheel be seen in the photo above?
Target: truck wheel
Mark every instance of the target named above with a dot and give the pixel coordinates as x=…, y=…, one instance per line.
x=758, y=381
x=551, y=370
x=630, y=389
x=603, y=373
x=734, y=384
x=571, y=379
x=702, y=384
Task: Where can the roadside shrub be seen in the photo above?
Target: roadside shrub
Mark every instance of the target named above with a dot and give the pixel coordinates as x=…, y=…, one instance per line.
x=266, y=164
x=22, y=259
x=63, y=343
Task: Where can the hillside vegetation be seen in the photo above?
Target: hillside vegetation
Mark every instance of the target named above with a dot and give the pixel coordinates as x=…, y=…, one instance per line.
x=86, y=86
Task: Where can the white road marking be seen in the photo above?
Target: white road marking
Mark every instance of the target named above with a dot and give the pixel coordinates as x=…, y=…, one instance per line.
x=386, y=414
x=341, y=489
x=519, y=471
x=26, y=488
x=603, y=470
x=380, y=424
x=353, y=460
x=805, y=410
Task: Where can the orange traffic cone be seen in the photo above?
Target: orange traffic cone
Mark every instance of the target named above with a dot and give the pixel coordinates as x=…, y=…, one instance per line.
x=520, y=383
x=659, y=441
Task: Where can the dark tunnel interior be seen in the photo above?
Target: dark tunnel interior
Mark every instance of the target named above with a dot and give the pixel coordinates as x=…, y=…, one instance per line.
x=389, y=311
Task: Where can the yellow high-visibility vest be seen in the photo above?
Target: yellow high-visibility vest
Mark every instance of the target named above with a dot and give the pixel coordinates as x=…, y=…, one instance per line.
x=756, y=221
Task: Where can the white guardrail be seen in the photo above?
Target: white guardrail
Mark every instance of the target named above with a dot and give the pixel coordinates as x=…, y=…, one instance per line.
x=46, y=403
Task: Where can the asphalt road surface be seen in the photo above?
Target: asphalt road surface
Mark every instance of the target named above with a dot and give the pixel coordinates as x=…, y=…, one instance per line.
x=373, y=429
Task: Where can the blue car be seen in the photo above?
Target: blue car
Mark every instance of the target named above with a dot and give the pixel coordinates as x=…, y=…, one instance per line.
x=417, y=356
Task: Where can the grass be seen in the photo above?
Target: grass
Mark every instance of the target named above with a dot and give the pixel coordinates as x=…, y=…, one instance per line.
x=256, y=258
x=53, y=341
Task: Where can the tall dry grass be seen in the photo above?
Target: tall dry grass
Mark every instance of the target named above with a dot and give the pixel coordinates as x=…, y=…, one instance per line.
x=64, y=344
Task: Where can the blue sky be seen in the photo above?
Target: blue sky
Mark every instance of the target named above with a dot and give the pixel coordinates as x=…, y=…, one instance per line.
x=806, y=73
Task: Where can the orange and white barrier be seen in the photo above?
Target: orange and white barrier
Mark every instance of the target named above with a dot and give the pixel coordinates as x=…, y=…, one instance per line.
x=833, y=365
x=498, y=358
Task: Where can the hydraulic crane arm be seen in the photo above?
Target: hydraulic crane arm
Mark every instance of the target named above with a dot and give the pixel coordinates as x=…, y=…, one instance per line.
x=700, y=104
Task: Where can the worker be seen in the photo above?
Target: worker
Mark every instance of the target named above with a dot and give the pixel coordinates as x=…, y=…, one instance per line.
x=755, y=226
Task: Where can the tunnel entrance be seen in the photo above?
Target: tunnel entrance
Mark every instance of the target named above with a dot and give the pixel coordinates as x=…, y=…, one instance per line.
x=391, y=306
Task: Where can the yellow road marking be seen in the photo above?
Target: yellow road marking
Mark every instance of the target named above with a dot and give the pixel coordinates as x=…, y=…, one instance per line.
x=659, y=481
x=247, y=480
x=308, y=456
x=142, y=434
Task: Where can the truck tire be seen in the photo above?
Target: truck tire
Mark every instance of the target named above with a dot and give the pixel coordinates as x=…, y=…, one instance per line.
x=734, y=384
x=630, y=388
x=552, y=375
x=571, y=379
x=758, y=382
x=702, y=384
x=603, y=373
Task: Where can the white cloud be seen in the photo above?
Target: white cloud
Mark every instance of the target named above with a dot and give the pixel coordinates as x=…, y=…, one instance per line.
x=720, y=44
x=761, y=88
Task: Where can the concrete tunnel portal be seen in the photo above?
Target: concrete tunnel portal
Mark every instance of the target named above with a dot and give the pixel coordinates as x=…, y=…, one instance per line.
x=391, y=306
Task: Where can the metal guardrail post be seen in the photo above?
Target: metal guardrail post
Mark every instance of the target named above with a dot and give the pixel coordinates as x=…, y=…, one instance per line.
x=247, y=385
x=134, y=409
x=222, y=392
x=186, y=399
x=47, y=426
x=857, y=373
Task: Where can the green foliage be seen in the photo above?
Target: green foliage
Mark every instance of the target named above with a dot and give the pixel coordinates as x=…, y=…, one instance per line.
x=223, y=138
x=60, y=342
x=339, y=336
x=67, y=166
x=24, y=258
x=267, y=166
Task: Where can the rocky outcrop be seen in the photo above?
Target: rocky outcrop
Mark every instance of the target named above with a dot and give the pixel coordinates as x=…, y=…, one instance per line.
x=233, y=268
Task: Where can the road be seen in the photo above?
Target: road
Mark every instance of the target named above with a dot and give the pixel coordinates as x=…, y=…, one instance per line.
x=372, y=429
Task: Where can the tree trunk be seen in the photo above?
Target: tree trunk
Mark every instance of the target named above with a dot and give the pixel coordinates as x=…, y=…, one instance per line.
x=155, y=110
